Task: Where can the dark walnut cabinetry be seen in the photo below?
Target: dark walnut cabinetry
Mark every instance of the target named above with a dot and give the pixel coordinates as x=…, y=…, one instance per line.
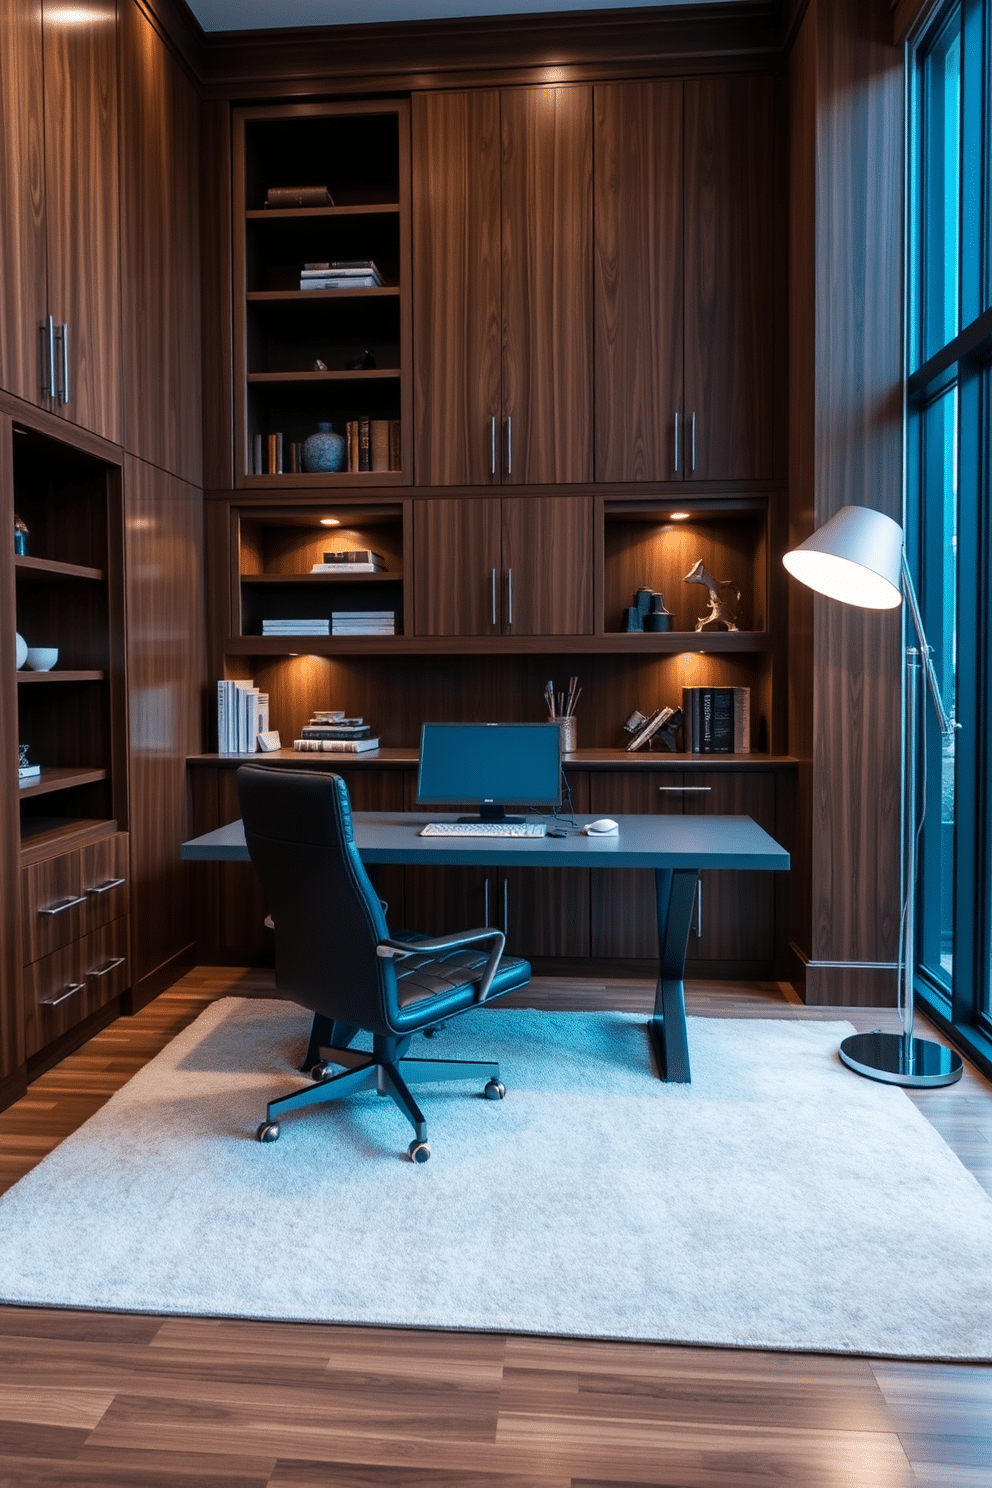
x=519, y=566
x=361, y=154
x=59, y=227
x=685, y=262
x=502, y=251
x=68, y=845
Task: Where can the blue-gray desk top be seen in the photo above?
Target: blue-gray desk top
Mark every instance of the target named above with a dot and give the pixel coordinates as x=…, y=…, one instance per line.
x=642, y=842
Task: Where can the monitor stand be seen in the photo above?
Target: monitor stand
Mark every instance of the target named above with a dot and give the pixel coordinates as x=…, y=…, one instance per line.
x=490, y=813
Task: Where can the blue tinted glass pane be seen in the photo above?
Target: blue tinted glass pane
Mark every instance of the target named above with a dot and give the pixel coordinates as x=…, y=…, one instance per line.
x=938, y=599
x=941, y=164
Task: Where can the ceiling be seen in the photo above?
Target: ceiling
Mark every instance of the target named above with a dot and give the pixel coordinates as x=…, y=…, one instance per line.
x=249, y=15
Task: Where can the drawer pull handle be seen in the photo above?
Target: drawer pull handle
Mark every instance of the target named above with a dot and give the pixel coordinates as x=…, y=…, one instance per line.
x=106, y=886
x=57, y=909
x=683, y=788
x=64, y=995
x=109, y=967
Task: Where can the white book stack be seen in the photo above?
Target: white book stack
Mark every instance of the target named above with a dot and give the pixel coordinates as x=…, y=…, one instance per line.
x=363, y=622
x=296, y=627
x=242, y=715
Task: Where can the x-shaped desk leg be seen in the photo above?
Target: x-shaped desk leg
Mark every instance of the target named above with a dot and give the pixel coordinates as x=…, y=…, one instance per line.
x=676, y=891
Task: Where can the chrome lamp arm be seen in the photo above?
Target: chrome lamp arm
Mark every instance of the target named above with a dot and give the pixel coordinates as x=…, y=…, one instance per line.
x=909, y=589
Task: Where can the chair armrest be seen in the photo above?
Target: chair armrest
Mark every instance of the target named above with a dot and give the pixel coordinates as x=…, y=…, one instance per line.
x=397, y=949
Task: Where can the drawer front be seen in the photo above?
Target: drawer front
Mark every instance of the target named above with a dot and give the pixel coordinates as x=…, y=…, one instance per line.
x=63, y=988
x=53, y=905
x=104, y=879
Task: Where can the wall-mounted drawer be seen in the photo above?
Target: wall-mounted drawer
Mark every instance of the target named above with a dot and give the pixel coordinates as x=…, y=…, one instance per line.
x=65, y=897
x=63, y=988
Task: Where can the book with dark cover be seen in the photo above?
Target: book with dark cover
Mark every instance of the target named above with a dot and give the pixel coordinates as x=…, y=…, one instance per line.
x=351, y=434
x=333, y=731
x=395, y=450
x=364, y=443
x=298, y=196
x=717, y=720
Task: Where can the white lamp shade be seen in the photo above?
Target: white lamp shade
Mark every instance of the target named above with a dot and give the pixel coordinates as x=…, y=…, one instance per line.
x=856, y=557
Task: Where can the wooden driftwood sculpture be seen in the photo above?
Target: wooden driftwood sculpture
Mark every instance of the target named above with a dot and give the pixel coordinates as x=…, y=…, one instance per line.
x=721, y=612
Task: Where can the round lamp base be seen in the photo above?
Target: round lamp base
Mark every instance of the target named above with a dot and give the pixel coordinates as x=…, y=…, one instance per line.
x=885, y=1056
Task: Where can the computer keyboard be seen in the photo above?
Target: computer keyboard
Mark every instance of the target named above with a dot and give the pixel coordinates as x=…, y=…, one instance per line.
x=483, y=829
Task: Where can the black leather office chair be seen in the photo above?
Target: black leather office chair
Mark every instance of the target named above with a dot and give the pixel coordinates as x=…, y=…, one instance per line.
x=335, y=955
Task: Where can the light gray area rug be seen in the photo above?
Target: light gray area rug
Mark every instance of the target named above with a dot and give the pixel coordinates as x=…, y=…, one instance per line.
x=778, y=1201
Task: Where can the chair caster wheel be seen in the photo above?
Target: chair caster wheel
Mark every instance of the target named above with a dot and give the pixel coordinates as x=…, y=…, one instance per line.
x=419, y=1151
x=495, y=1090
x=268, y=1131
x=321, y=1072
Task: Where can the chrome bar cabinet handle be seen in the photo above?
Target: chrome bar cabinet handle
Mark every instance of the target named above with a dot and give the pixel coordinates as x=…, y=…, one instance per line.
x=492, y=445
x=106, y=886
x=693, y=442
x=509, y=446
x=493, y=588
x=676, y=444
x=107, y=969
x=62, y=906
x=63, y=339
x=699, y=908
x=683, y=788
x=509, y=596
x=64, y=995
x=48, y=335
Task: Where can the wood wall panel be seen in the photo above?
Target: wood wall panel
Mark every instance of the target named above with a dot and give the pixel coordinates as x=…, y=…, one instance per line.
x=23, y=251
x=82, y=209
x=160, y=199
x=729, y=285
x=638, y=276
x=547, y=334
x=456, y=285
x=166, y=677
x=846, y=431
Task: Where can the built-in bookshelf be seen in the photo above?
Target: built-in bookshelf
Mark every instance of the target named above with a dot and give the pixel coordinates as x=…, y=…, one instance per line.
x=70, y=719
x=311, y=356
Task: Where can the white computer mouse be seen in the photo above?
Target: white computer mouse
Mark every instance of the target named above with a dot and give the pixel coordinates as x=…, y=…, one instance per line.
x=605, y=827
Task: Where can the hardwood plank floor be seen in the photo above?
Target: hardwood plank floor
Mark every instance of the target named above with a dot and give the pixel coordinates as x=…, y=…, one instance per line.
x=95, y=1400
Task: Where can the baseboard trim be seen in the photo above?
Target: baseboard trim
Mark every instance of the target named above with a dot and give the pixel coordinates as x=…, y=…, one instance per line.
x=13, y=1086
x=149, y=987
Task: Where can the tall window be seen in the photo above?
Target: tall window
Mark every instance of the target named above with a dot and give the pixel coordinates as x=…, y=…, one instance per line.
x=949, y=500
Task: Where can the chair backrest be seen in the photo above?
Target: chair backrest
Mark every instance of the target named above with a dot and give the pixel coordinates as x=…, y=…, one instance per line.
x=327, y=917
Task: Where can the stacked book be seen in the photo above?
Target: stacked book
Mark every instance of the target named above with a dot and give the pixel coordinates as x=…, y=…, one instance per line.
x=363, y=622
x=351, y=560
x=352, y=273
x=717, y=720
x=242, y=714
x=296, y=627
x=333, y=733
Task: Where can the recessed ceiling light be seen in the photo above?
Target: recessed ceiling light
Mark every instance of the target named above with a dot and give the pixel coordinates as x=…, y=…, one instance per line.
x=679, y=516
x=329, y=522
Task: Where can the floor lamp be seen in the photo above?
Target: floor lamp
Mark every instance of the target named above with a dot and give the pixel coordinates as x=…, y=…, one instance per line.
x=858, y=557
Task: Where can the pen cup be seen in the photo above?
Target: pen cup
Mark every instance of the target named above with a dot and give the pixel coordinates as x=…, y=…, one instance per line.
x=568, y=731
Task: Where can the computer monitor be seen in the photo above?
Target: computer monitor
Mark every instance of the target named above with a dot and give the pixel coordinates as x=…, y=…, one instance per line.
x=496, y=764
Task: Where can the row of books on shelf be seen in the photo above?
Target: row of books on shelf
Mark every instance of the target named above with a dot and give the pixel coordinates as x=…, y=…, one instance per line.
x=242, y=718
x=371, y=446
x=340, y=623
x=331, y=732
x=352, y=273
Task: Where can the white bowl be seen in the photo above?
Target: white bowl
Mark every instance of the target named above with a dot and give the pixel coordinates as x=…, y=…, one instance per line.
x=42, y=658
x=22, y=651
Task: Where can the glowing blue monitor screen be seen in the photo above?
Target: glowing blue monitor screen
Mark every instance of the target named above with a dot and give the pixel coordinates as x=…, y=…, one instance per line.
x=494, y=764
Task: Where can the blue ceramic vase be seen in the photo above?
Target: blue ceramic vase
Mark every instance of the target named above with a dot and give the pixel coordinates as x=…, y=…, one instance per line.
x=324, y=451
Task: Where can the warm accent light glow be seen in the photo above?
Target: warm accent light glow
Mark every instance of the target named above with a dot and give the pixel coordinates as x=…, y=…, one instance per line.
x=78, y=14
x=329, y=522
x=679, y=516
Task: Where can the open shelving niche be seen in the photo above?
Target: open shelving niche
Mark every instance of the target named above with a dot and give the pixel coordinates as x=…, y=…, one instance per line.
x=398, y=681
x=69, y=595
x=361, y=153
